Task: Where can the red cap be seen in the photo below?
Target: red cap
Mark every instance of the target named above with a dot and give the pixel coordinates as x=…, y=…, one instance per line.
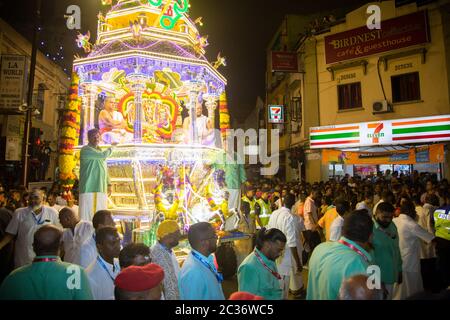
x=139, y=278
x=241, y=295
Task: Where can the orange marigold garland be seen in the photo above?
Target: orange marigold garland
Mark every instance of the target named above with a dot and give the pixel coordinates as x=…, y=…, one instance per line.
x=70, y=133
x=224, y=115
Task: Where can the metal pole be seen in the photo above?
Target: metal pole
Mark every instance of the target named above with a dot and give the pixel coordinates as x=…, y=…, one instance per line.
x=28, y=120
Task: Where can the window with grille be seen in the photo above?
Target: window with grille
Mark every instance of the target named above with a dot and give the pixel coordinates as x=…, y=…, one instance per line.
x=349, y=96
x=405, y=87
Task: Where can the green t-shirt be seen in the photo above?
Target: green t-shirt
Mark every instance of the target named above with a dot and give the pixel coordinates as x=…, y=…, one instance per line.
x=330, y=264
x=234, y=170
x=47, y=281
x=93, y=170
x=254, y=278
x=386, y=253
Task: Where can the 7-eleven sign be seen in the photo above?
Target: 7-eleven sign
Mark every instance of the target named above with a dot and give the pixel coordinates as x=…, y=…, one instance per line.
x=276, y=114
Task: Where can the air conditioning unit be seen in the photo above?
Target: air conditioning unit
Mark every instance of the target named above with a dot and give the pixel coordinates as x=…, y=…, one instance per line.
x=381, y=107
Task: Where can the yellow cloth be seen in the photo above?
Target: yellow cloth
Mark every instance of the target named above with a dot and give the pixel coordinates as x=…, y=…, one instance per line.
x=167, y=227
x=326, y=221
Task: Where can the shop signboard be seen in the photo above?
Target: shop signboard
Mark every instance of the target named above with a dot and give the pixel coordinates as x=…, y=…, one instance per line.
x=276, y=114
x=386, y=132
x=13, y=150
x=12, y=81
x=401, y=32
x=427, y=154
x=284, y=61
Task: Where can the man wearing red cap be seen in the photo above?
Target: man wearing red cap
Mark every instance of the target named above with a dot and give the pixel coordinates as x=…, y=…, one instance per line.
x=139, y=283
x=242, y=295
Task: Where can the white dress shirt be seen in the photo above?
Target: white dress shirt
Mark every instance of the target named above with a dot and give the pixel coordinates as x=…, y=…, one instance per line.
x=57, y=207
x=410, y=234
x=68, y=245
x=336, y=228
x=427, y=250
x=84, y=244
x=24, y=224
x=283, y=220
x=101, y=276
x=74, y=240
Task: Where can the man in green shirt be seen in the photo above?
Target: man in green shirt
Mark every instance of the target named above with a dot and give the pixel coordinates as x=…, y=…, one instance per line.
x=333, y=262
x=258, y=273
x=235, y=175
x=386, y=252
x=47, y=278
x=94, y=180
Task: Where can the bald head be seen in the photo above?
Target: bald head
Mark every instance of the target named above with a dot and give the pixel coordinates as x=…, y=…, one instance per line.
x=68, y=218
x=355, y=288
x=47, y=241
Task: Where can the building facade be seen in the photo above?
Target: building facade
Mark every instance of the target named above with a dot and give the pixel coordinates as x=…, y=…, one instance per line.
x=49, y=95
x=354, y=75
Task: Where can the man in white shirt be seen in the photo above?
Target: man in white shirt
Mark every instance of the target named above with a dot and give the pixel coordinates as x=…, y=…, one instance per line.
x=427, y=250
x=410, y=233
x=387, y=196
x=71, y=205
x=85, y=239
x=74, y=231
x=68, y=222
x=342, y=207
x=310, y=214
x=289, y=262
x=51, y=200
x=103, y=271
x=25, y=222
x=367, y=203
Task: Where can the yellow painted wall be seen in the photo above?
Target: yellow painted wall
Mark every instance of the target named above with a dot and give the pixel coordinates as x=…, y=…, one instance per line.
x=434, y=88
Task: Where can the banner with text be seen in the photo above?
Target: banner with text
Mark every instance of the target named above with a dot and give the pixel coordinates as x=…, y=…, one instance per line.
x=396, y=33
x=427, y=154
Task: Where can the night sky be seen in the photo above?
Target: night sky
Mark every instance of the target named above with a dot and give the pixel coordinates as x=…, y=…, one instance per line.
x=240, y=29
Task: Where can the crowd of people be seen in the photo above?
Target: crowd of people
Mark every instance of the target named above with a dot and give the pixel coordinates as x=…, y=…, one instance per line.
x=381, y=237
x=344, y=228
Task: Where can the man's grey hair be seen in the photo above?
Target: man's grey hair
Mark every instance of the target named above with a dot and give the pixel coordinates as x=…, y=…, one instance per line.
x=355, y=288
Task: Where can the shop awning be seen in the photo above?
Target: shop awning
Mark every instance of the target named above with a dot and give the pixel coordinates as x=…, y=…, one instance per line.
x=414, y=155
x=382, y=133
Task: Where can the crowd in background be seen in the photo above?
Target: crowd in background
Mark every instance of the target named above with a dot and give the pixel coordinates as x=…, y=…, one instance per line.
x=334, y=230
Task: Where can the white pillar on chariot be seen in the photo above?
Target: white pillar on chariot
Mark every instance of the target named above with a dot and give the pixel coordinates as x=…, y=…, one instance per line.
x=89, y=99
x=138, y=81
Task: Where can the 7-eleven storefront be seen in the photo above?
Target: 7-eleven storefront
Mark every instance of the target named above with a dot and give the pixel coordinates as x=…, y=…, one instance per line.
x=401, y=145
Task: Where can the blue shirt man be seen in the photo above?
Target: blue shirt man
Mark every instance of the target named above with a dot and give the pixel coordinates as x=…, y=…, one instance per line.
x=199, y=278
